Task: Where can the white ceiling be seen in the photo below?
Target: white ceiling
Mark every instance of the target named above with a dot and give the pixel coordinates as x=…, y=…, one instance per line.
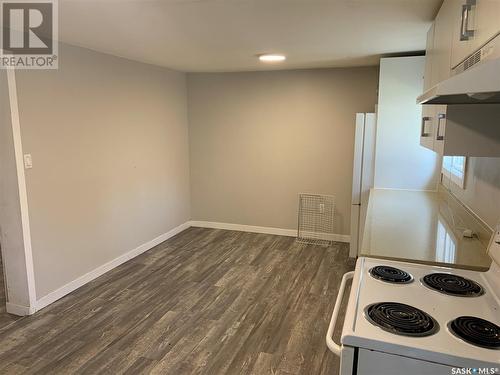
x=226, y=35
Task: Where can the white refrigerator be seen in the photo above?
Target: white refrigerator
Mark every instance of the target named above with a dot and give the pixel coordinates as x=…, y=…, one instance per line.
x=362, y=176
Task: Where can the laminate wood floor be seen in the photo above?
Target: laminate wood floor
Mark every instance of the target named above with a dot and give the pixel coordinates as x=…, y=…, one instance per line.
x=204, y=302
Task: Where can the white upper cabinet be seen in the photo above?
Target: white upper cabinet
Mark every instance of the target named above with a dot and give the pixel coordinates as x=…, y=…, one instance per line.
x=429, y=51
x=440, y=122
x=487, y=22
x=443, y=35
x=460, y=28
x=427, y=128
x=463, y=29
x=427, y=121
x=475, y=23
x=441, y=70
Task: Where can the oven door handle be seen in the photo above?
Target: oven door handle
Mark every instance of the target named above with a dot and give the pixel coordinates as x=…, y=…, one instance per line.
x=332, y=345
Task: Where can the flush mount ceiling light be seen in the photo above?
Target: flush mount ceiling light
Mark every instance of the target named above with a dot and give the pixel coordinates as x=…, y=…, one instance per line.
x=272, y=57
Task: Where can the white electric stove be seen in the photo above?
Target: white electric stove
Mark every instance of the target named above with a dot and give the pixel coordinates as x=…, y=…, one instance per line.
x=412, y=319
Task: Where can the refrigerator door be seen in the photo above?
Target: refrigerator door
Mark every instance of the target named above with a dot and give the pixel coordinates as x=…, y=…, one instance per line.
x=358, y=158
x=368, y=171
x=356, y=182
x=355, y=223
x=363, y=173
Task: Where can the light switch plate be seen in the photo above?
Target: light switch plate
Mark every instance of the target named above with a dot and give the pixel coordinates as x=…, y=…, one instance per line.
x=28, y=161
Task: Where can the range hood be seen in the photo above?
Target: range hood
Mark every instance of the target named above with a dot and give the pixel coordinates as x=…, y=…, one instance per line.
x=475, y=81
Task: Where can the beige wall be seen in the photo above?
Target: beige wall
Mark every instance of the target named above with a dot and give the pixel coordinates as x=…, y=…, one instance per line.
x=258, y=139
x=109, y=140
x=482, y=189
x=400, y=161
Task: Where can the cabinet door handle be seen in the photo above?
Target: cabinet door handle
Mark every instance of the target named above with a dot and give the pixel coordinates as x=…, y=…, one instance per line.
x=423, y=133
x=465, y=33
x=440, y=137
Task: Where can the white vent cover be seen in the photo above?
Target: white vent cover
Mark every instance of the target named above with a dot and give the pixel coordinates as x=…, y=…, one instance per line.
x=316, y=218
x=489, y=51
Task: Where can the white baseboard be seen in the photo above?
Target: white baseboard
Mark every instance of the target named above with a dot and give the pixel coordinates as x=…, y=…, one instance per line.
x=19, y=310
x=329, y=236
x=342, y=238
x=244, y=228
x=265, y=230
x=82, y=280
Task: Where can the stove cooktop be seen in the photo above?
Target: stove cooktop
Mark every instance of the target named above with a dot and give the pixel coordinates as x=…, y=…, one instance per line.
x=476, y=331
x=453, y=285
x=401, y=319
x=390, y=274
x=412, y=319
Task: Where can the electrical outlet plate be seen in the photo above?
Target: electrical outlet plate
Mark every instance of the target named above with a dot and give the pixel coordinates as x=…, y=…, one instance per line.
x=28, y=161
